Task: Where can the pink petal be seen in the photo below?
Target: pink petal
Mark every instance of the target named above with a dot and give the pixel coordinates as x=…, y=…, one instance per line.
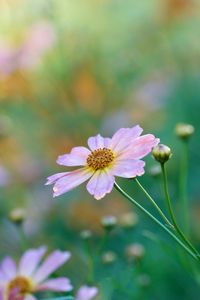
x=128, y=168
x=53, y=178
x=3, y=278
x=52, y=262
x=14, y=294
x=71, y=180
x=57, y=285
x=123, y=137
x=140, y=147
x=100, y=184
x=30, y=261
x=77, y=157
x=96, y=142
x=86, y=293
x=8, y=267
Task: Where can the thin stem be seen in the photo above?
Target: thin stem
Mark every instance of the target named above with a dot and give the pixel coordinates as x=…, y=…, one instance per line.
x=22, y=237
x=155, y=220
x=154, y=204
x=90, y=261
x=178, y=230
x=103, y=242
x=183, y=184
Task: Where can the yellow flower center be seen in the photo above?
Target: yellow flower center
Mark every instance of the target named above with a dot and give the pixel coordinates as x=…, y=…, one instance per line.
x=22, y=284
x=100, y=158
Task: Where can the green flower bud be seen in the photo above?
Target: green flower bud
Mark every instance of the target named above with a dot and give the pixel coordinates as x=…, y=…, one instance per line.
x=17, y=215
x=184, y=131
x=128, y=220
x=86, y=234
x=109, y=257
x=109, y=222
x=162, y=153
x=135, y=252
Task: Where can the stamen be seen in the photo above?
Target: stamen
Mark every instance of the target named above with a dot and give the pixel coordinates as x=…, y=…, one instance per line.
x=21, y=284
x=100, y=158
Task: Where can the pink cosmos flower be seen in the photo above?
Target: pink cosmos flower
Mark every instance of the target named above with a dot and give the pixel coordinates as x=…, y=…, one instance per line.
x=31, y=276
x=40, y=38
x=106, y=158
x=86, y=293
x=8, y=57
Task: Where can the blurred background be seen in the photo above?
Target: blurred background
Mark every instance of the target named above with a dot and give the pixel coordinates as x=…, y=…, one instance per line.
x=70, y=70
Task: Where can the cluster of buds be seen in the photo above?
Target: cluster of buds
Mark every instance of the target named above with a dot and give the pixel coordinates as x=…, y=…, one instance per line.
x=162, y=153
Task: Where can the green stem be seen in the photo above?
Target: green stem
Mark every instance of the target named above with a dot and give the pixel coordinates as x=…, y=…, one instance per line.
x=178, y=230
x=154, y=204
x=22, y=237
x=183, y=184
x=155, y=220
x=103, y=242
x=90, y=262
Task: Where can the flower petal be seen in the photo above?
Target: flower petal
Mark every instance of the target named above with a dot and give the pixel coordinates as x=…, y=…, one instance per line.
x=77, y=157
x=14, y=294
x=52, y=262
x=140, y=147
x=128, y=168
x=100, y=184
x=8, y=267
x=123, y=137
x=57, y=285
x=96, y=142
x=86, y=293
x=71, y=180
x=30, y=261
x=53, y=178
x=3, y=279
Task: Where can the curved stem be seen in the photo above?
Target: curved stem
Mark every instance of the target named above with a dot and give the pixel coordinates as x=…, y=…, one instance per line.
x=155, y=220
x=183, y=184
x=154, y=204
x=178, y=230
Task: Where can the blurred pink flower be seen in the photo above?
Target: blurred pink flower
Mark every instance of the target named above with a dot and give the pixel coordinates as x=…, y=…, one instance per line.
x=5, y=177
x=31, y=276
x=86, y=293
x=39, y=38
x=7, y=59
x=107, y=157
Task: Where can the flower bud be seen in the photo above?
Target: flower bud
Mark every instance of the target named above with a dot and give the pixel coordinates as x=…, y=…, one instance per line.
x=86, y=234
x=128, y=220
x=135, y=252
x=109, y=222
x=162, y=153
x=184, y=131
x=17, y=215
x=109, y=257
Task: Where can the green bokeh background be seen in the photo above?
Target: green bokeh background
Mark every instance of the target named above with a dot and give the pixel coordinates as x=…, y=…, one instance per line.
x=113, y=64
